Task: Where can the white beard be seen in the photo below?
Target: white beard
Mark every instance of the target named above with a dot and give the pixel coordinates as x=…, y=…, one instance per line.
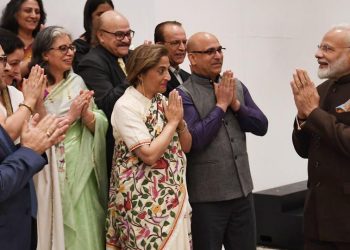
x=336, y=69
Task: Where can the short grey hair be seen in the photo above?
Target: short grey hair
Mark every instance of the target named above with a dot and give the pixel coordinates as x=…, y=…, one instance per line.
x=43, y=43
x=342, y=27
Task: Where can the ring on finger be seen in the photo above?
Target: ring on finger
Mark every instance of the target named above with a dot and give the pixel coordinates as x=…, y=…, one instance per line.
x=49, y=132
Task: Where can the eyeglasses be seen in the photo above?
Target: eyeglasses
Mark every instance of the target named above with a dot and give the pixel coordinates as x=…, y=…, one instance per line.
x=3, y=60
x=64, y=48
x=120, y=35
x=326, y=48
x=209, y=52
x=177, y=43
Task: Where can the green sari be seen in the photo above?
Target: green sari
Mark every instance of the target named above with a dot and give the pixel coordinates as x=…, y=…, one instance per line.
x=78, y=167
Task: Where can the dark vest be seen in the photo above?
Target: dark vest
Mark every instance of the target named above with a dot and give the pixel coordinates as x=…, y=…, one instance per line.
x=221, y=170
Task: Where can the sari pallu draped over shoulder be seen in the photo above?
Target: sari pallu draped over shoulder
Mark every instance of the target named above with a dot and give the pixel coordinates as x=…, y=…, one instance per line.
x=72, y=188
x=148, y=205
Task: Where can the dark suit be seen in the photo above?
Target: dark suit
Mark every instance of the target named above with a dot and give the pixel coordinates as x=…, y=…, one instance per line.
x=102, y=73
x=82, y=48
x=325, y=140
x=18, y=165
x=173, y=83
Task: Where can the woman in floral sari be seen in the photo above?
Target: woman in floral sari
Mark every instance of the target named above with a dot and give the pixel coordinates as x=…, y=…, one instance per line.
x=148, y=203
x=72, y=189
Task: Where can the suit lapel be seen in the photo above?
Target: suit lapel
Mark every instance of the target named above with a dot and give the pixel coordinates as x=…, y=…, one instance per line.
x=184, y=75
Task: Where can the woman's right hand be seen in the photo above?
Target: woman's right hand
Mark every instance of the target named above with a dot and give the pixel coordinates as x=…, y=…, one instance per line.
x=174, y=109
x=33, y=86
x=77, y=106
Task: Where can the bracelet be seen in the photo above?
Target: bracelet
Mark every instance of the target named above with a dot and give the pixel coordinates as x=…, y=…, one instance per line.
x=27, y=106
x=91, y=122
x=180, y=131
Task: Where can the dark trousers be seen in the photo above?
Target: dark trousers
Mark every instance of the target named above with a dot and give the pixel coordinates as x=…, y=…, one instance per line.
x=325, y=245
x=230, y=223
x=34, y=235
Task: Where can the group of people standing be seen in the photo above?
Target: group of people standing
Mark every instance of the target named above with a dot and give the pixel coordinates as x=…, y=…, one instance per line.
x=71, y=190
x=170, y=144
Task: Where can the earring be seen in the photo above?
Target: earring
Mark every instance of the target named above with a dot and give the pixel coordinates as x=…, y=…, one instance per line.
x=143, y=87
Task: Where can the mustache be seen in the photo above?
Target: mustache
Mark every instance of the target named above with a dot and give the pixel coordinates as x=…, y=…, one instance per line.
x=124, y=44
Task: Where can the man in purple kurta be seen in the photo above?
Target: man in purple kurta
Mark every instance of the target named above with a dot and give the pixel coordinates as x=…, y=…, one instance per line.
x=219, y=111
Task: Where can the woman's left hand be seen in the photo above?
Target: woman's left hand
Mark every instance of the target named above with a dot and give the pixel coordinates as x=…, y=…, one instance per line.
x=78, y=105
x=174, y=110
x=87, y=95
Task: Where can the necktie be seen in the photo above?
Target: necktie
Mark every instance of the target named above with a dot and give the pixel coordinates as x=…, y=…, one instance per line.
x=177, y=75
x=122, y=65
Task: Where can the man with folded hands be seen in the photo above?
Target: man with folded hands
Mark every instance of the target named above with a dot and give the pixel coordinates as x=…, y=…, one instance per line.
x=322, y=135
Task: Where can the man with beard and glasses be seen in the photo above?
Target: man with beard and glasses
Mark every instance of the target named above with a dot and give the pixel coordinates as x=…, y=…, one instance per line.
x=219, y=110
x=322, y=135
x=172, y=35
x=103, y=68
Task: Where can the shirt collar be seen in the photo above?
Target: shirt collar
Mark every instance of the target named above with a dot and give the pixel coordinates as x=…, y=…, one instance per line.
x=199, y=77
x=343, y=79
x=175, y=70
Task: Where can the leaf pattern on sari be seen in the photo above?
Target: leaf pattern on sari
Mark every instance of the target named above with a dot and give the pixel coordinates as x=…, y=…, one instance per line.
x=145, y=201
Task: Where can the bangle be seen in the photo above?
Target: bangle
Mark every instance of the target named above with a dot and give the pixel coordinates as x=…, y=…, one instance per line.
x=27, y=106
x=91, y=122
x=180, y=131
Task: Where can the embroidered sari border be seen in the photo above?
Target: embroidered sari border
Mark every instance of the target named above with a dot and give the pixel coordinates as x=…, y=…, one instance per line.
x=139, y=144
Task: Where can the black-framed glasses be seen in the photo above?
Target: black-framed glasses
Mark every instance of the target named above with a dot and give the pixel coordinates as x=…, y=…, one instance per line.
x=177, y=43
x=326, y=48
x=120, y=35
x=210, y=51
x=3, y=60
x=64, y=48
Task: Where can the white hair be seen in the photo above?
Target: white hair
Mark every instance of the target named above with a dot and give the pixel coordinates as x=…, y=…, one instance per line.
x=342, y=27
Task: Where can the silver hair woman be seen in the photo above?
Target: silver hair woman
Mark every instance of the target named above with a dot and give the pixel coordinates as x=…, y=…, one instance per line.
x=72, y=190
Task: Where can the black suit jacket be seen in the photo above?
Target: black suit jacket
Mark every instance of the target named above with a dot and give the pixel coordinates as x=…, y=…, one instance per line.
x=325, y=140
x=173, y=83
x=16, y=171
x=82, y=48
x=102, y=73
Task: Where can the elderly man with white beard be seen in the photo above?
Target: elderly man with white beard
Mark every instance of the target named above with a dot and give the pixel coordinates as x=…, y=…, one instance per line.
x=322, y=135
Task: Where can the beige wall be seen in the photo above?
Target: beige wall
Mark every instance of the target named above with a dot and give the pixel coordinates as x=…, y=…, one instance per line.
x=265, y=40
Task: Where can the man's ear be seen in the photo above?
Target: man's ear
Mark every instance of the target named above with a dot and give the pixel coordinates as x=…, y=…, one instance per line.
x=99, y=36
x=192, y=58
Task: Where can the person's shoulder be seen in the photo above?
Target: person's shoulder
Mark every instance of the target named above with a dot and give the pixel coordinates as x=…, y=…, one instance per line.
x=81, y=45
x=127, y=104
x=77, y=79
x=185, y=73
x=95, y=58
x=95, y=54
x=132, y=100
x=240, y=84
x=188, y=81
x=324, y=85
